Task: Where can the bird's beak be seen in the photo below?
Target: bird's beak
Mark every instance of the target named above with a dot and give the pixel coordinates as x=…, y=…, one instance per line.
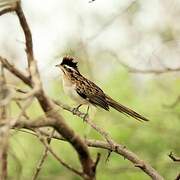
x=57, y=65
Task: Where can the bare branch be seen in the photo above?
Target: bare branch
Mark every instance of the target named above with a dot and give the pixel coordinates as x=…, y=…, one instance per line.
x=151, y=71
x=120, y=149
x=117, y=148
x=46, y=103
x=113, y=146
x=8, y=6
x=22, y=76
x=110, y=21
x=42, y=139
x=27, y=34
x=44, y=154
x=97, y=161
x=144, y=71
x=173, y=157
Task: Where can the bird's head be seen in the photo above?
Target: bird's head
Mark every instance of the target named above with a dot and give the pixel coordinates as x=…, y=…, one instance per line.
x=68, y=64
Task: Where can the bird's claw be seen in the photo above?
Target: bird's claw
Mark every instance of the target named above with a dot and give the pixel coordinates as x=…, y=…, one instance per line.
x=75, y=110
x=85, y=117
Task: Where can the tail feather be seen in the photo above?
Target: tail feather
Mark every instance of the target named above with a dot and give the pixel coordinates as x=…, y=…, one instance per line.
x=125, y=110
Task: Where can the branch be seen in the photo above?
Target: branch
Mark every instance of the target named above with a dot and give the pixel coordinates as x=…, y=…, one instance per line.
x=142, y=71
x=113, y=146
x=173, y=157
x=117, y=148
x=97, y=161
x=46, y=103
x=151, y=71
x=110, y=21
x=47, y=146
x=44, y=155
x=8, y=7
x=45, y=152
x=120, y=149
x=27, y=34
x=18, y=73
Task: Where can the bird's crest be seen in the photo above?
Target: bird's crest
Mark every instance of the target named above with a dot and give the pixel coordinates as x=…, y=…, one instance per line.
x=70, y=61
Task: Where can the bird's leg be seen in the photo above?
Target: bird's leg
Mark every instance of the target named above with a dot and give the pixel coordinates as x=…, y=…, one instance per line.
x=86, y=115
x=76, y=109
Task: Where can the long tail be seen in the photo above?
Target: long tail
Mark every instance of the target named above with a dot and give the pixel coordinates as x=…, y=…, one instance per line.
x=125, y=110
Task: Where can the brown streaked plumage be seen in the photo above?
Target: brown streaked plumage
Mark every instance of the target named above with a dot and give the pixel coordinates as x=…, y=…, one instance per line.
x=85, y=91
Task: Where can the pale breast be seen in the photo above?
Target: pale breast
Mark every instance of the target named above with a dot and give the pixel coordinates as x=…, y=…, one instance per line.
x=70, y=90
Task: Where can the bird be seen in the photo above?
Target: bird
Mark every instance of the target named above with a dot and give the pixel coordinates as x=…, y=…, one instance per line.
x=83, y=91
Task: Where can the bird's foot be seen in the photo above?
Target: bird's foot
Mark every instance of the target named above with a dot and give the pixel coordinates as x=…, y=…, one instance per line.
x=85, y=117
x=76, y=109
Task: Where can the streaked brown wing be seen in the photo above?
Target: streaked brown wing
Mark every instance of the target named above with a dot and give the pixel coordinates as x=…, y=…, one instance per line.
x=90, y=91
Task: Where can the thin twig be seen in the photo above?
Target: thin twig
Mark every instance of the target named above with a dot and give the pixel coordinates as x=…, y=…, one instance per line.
x=27, y=35
x=46, y=144
x=23, y=110
x=97, y=161
x=88, y=121
x=143, y=71
x=44, y=154
x=173, y=157
x=14, y=70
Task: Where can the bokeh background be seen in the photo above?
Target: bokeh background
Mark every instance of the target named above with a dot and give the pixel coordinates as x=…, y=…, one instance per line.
x=105, y=36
